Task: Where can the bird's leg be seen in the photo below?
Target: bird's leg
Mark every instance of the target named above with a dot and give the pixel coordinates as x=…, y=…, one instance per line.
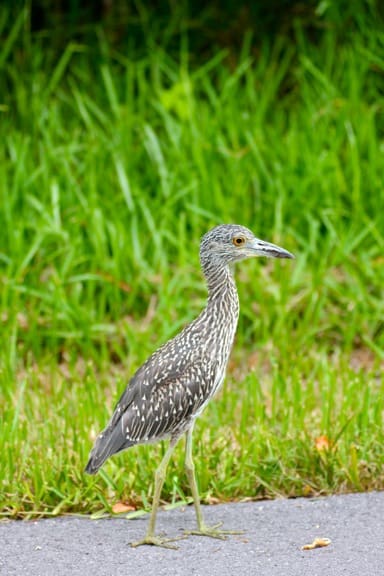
x=150, y=537
x=202, y=528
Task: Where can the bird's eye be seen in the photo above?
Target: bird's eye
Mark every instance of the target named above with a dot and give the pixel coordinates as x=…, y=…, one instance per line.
x=239, y=240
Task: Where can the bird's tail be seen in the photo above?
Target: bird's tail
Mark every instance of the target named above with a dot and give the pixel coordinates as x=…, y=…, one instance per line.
x=109, y=442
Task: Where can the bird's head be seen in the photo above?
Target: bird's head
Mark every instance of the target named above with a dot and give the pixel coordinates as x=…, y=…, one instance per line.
x=229, y=243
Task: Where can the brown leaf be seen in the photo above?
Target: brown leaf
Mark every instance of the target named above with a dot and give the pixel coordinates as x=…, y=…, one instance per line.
x=212, y=500
x=307, y=490
x=121, y=507
x=317, y=543
x=322, y=443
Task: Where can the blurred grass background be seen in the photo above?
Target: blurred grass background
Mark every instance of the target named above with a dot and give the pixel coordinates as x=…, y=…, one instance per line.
x=128, y=130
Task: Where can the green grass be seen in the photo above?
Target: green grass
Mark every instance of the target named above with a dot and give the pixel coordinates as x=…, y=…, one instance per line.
x=114, y=165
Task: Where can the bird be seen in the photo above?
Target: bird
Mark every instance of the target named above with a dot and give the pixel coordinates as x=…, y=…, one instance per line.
x=171, y=389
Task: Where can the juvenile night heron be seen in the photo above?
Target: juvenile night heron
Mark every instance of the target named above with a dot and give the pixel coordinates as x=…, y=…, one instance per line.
x=169, y=391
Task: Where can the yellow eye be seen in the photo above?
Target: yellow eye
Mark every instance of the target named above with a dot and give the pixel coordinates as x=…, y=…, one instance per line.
x=239, y=240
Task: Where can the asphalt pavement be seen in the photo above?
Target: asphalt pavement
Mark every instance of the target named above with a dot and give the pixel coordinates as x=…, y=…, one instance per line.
x=274, y=533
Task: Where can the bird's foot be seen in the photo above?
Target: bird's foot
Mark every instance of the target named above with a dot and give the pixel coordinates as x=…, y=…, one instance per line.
x=161, y=541
x=212, y=531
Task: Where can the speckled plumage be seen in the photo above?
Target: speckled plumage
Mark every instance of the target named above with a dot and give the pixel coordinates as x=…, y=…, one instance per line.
x=173, y=386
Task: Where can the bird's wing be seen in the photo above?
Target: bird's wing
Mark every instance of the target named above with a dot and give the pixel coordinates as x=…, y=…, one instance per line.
x=167, y=406
x=159, y=399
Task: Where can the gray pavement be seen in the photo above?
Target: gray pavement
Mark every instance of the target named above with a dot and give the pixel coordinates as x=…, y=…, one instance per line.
x=271, y=544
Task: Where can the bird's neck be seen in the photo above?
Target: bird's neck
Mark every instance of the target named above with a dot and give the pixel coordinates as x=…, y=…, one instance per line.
x=222, y=291
x=219, y=318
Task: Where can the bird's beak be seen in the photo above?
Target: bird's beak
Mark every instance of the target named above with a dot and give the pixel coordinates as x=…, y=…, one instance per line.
x=262, y=248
